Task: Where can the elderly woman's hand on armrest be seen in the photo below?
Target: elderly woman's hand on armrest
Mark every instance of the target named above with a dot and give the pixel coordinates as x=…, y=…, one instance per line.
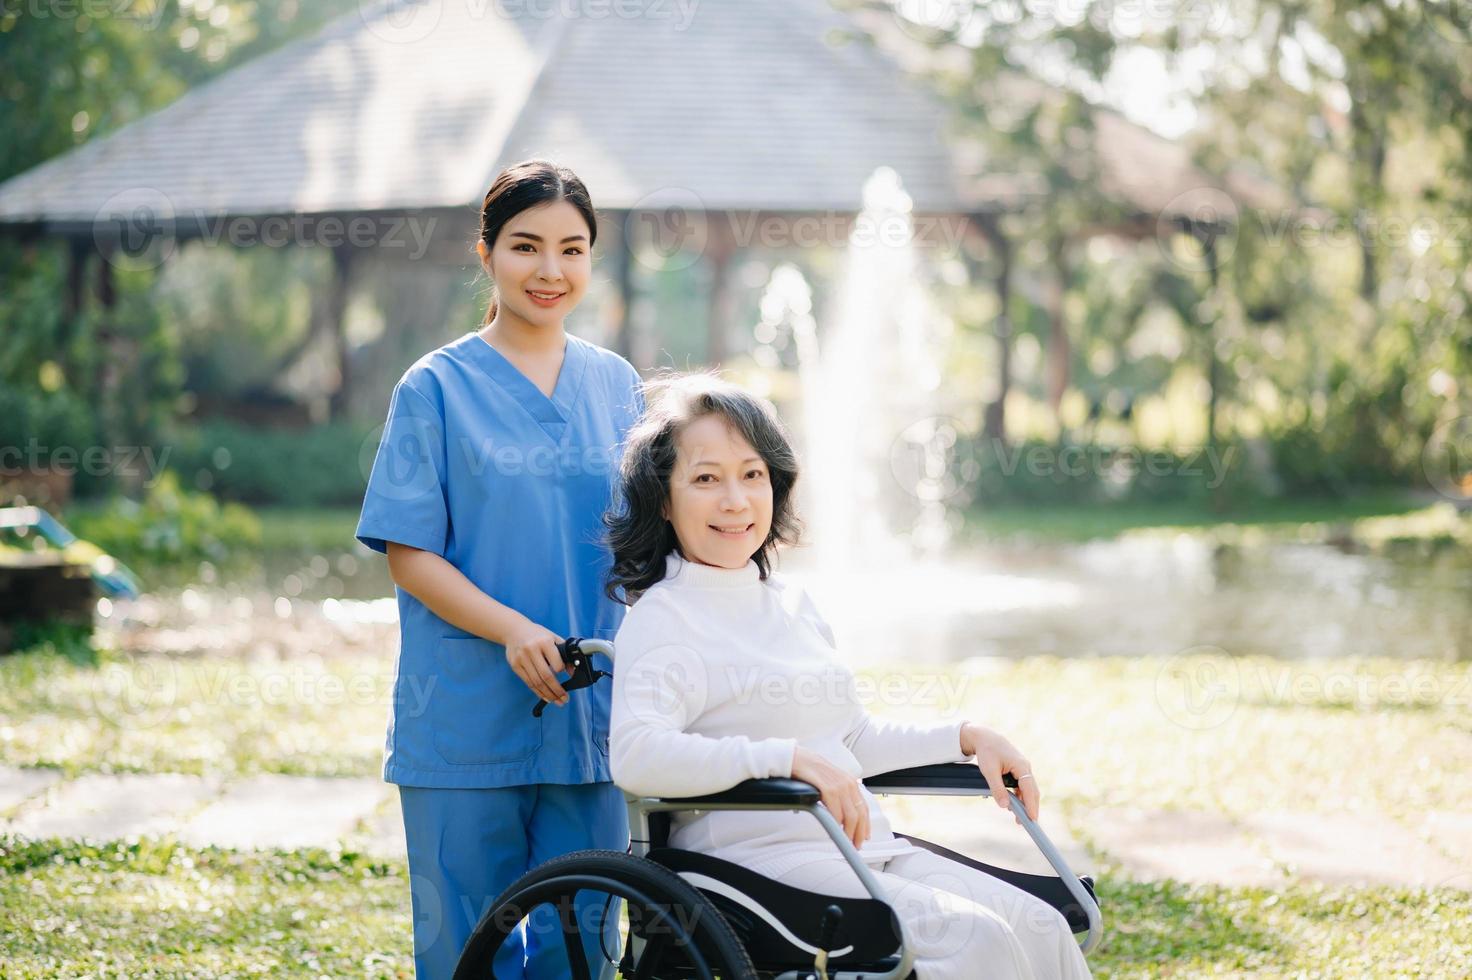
x=995, y=756
x=839, y=791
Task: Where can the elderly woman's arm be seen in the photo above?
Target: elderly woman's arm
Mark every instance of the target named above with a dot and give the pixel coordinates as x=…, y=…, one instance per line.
x=657, y=693
x=884, y=746
x=881, y=745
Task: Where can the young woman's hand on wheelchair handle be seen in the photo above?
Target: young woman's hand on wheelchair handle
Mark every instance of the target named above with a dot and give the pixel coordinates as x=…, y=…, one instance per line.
x=996, y=757
x=840, y=792
x=532, y=653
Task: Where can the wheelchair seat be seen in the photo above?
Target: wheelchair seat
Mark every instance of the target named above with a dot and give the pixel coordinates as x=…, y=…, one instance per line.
x=780, y=925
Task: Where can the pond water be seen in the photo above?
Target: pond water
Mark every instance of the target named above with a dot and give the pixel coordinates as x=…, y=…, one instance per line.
x=1162, y=594
x=1152, y=594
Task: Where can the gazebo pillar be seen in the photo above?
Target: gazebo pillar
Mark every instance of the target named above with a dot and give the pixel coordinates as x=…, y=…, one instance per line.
x=1060, y=349
x=994, y=417
x=623, y=282
x=720, y=249
x=1207, y=241
x=119, y=356
x=335, y=315
x=76, y=276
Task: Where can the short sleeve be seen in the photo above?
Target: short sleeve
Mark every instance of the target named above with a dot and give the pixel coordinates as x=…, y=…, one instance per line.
x=405, y=500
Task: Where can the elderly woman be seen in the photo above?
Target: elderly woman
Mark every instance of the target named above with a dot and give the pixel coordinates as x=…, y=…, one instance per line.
x=715, y=668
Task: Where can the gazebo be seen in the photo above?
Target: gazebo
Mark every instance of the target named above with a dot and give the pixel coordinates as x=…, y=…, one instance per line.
x=378, y=136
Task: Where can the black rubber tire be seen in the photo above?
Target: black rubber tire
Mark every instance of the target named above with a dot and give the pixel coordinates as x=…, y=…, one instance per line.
x=714, y=939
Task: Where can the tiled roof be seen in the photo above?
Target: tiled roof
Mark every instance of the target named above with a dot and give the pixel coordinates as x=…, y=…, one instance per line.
x=406, y=105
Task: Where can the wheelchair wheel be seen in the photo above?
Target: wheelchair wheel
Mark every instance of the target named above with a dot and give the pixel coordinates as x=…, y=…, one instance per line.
x=677, y=931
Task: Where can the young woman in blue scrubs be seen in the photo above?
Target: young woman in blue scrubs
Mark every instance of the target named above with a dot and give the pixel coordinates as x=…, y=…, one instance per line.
x=499, y=456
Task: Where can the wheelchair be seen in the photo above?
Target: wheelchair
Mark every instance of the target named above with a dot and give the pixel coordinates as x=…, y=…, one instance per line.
x=692, y=915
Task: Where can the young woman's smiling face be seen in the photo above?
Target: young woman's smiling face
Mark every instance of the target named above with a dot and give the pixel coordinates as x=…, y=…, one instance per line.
x=541, y=262
x=720, y=501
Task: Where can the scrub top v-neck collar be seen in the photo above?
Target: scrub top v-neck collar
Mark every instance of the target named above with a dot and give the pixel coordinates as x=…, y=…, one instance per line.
x=551, y=414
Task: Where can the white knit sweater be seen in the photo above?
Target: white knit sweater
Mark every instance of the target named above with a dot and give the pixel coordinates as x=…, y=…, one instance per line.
x=717, y=677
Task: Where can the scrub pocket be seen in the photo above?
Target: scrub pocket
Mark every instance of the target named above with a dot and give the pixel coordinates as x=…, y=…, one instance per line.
x=482, y=710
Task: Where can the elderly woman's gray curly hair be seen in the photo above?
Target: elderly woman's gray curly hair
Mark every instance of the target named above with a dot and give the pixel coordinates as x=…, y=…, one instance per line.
x=638, y=534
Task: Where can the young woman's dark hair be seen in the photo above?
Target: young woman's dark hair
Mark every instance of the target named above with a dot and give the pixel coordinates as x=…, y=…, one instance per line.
x=639, y=536
x=526, y=185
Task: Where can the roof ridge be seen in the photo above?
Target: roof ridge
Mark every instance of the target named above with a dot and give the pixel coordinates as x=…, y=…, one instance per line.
x=548, y=48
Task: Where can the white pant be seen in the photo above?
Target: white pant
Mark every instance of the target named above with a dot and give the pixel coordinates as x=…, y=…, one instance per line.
x=963, y=924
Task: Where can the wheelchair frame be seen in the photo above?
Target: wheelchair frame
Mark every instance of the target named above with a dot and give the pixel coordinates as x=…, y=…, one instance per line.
x=953, y=779
x=946, y=779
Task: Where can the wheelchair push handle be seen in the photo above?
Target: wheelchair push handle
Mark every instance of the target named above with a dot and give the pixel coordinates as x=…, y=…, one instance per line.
x=576, y=657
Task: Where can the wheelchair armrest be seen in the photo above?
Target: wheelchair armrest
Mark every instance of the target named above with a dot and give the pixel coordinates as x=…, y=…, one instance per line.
x=789, y=792
x=940, y=776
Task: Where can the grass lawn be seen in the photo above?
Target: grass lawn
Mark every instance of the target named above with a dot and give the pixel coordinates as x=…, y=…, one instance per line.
x=1082, y=522
x=158, y=910
x=1264, y=732
x=1234, y=736
x=152, y=909
x=1167, y=929
x=315, y=715
x=1294, y=737
x=307, y=529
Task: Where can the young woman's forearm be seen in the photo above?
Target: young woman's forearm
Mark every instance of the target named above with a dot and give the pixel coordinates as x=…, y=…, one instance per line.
x=450, y=595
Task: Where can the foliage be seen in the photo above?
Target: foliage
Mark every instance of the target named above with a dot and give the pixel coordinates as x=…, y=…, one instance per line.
x=1339, y=327
x=36, y=424
x=1041, y=473
x=321, y=466
x=170, y=523
x=69, y=641
x=76, y=72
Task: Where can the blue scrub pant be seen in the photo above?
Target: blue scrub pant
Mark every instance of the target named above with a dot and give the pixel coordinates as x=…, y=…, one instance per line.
x=466, y=846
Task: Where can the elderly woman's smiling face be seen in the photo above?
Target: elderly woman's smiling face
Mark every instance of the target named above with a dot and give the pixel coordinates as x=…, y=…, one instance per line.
x=720, y=494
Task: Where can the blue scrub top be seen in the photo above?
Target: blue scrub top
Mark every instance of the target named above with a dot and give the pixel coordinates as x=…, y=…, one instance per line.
x=477, y=465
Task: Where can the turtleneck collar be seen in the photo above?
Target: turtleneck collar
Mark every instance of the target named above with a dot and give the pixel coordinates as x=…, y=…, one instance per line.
x=695, y=575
